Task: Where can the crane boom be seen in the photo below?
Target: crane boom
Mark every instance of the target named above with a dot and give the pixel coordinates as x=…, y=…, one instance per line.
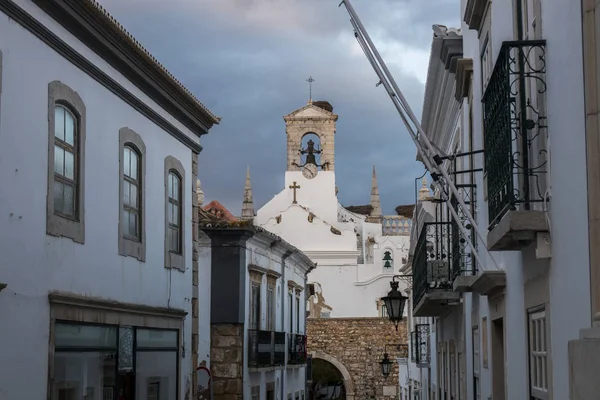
x=433, y=164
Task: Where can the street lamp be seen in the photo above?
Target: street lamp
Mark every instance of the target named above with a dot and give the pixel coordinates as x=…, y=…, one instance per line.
x=386, y=365
x=394, y=303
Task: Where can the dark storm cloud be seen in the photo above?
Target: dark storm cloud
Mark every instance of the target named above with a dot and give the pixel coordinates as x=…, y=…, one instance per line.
x=248, y=60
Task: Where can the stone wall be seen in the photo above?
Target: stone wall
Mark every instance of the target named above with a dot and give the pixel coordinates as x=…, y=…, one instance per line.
x=227, y=357
x=357, y=344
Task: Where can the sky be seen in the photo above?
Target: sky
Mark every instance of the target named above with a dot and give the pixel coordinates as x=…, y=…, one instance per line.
x=248, y=62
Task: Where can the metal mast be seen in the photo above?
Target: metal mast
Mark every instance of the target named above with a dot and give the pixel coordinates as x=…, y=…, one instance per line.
x=424, y=146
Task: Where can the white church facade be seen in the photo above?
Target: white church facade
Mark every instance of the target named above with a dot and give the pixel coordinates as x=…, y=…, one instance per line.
x=357, y=249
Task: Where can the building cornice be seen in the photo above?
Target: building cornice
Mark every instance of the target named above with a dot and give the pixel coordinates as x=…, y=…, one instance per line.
x=100, y=32
x=474, y=12
x=464, y=71
x=80, y=301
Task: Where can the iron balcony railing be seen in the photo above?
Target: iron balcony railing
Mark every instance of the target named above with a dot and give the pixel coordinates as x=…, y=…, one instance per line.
x=419, y=345
x=515, y=129
x=296, y=348
x=266, y=348
x=432, y=261
x=462, y=259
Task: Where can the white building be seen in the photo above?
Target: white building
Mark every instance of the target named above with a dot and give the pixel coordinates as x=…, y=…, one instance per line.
x=357, y=248
x=97, y=138
x=253, y=317
x=501, y=327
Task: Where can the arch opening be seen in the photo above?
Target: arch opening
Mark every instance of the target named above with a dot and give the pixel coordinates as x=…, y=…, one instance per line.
x=331, y=380
x=310, y=149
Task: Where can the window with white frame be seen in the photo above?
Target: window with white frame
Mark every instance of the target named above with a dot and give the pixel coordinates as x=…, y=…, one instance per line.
x=291, y=310
x=271, y=307
x=132, y=167
x=297, y=312
x=66, y=153
x=538, y=355
x=255, y=305
x=174, y=214
x=476, y=362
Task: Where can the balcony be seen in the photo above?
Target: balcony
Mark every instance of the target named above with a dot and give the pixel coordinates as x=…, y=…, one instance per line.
x=266, y=349
x=464, y=266
x=432, y=270
x=419, y=345
x=515, y=139
x=296, y=349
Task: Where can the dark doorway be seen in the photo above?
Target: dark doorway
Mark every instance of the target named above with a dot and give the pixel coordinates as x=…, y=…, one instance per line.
x=328, y=382
x=498, y=385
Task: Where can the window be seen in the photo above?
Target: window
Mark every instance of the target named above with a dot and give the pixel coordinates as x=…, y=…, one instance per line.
x=476, y=362
x=174, y=214
x=297, y=314
x=131, y=193
x=132, y=169
x=384, y=311
x=270, y=393
x=255, y=306
x=66, y=150
x=538, y=355
x=291, y=311
x=255, y=393
x=271, y=308
x=90, y=360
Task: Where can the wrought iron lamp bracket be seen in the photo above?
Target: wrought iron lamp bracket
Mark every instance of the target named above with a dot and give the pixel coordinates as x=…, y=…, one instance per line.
x=404, y=278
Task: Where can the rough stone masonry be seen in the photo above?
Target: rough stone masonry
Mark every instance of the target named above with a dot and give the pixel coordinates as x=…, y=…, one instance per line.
x=357, y=344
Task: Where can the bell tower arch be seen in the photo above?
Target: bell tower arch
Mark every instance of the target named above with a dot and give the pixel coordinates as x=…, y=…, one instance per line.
x=316, y=118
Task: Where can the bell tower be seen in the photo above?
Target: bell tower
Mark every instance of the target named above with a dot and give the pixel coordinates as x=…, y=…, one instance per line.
x=317, y=120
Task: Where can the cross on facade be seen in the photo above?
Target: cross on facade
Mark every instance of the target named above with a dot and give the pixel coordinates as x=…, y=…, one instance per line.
x=294, y=187
x=310, y=80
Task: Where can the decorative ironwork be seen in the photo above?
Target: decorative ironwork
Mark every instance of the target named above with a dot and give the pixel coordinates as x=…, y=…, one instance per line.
x=125, y=348
x=296, y=349
x=260, y=348
x=413, y=347
x=432, y=261
x=515, y=129
x=422, y=344
x=462, y=258
x=278, y=348
x=419, y=345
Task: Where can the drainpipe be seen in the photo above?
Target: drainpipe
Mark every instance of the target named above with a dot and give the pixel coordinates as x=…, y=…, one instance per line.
x=283, y=296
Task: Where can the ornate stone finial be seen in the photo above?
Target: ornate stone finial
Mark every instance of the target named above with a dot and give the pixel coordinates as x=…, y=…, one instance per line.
x=424, y=192
x=248, y=203
x=375, y=200
x=199, y=193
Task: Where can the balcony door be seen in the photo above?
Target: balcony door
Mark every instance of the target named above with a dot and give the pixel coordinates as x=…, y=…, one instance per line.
x=528, y=18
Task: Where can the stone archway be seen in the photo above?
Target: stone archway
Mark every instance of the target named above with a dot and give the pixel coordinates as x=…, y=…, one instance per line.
x=348, y=381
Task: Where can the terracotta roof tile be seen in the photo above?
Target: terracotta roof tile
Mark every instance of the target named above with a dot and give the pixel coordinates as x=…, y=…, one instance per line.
x=219, y=211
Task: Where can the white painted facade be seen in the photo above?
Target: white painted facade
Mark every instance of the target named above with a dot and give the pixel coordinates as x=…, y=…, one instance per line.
x=549, y=277
x=350, y=278
x=273, y=268
x=289, y=318
x=35, y=263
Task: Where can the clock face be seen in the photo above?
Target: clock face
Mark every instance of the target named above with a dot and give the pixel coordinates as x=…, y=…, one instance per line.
x=309, y=171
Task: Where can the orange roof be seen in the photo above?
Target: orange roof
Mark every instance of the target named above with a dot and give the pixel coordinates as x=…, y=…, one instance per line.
x=217, y=209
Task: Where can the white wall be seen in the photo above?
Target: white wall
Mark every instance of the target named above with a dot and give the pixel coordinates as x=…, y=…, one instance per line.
x=34, y=263
x=568, y=272
x=291, y=378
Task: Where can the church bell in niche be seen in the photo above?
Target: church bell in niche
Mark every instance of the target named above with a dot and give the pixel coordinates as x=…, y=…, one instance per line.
x=310, y=134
